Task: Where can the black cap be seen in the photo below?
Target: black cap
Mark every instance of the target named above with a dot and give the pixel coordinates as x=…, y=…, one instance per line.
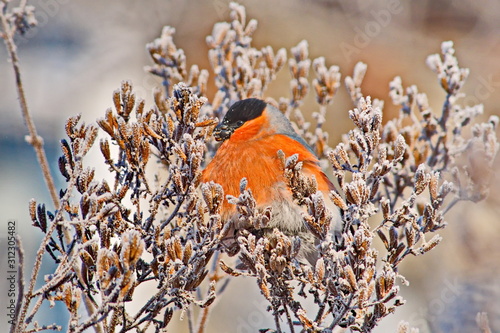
x=239, y=113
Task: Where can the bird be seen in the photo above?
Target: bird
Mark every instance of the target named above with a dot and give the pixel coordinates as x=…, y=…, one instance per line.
x=252, y=132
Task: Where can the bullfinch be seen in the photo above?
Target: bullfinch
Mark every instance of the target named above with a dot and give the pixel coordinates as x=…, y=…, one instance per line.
x=252, y=132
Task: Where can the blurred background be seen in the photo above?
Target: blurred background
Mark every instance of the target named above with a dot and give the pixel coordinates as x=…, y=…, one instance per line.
x=81, y=51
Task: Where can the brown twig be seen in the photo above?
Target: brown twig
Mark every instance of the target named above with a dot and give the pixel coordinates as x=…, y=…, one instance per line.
x=34, y=139
x=38, y=262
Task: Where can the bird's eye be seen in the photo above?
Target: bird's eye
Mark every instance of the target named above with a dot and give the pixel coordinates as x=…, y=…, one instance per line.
x=239, y=123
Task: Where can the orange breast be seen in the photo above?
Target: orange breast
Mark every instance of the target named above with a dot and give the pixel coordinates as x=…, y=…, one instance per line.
x=257, y=161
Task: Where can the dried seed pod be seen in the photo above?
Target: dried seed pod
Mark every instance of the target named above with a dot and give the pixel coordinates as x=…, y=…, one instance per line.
x=106, y=268
x=399, y=148
x=445, y=189
x=386, y=208
x=374, y=188
x=337, y=200
x=433, y=185
x=393, y=238
x=363, y=295
x=178, y=180
x=170, y=250
x=356, y=148
x=421, y=179
x=32, y=210
x=104, y=145
x=427, y=246
x=344, y=285
x=361, y=241
x=188, y=251
x=265, y=290
x=268, y=54
x=395, y=255
x=177, y=246
x=359, y=73
x=300, y=52
x=352, y=194
x=382, y=236
x=280, y=59
x=227, y=269
x=280, y=264
x=87, y=260
x=319, y=270
x=334, y=160
x=42, y=217
x=132, y=248
x=306, y=322
x=351, y=277
x=410, y=236
x=342, y=153
x=380, y=287
x=144, y=153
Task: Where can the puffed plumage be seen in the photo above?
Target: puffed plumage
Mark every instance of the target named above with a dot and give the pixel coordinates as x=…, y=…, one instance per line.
x=253, y=132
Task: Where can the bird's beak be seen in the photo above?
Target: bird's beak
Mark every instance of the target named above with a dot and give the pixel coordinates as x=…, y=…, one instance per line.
x=222, y=132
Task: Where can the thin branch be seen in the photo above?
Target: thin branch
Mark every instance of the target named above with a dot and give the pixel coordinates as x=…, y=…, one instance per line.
x=34, y=139
x=51, y=327
x=289, y=319
x=277, y=320
x=203, y=319
x=38, y=262
x=190, y=319
x=346, y=307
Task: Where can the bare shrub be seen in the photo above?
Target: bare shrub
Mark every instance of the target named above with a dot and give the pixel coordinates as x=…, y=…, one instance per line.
x=156, y=223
